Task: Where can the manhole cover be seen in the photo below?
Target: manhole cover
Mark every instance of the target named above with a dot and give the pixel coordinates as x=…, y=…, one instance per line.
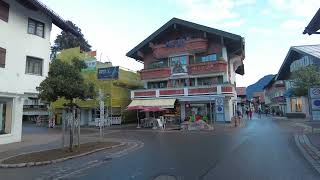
x=165, y=177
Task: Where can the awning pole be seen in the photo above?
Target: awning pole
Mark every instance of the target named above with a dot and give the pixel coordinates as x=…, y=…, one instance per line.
x=138, y=118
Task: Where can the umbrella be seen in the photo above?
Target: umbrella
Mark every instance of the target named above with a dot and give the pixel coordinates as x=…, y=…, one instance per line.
x=136, y=108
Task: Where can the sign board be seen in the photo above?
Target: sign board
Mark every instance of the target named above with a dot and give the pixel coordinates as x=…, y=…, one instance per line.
x=109, y=73
x=91, y=65
x=314, y=99
x=219, y=109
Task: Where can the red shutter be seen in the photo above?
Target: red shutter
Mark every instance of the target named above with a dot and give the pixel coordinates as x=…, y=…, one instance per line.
x=2, y=57
x=4, y=11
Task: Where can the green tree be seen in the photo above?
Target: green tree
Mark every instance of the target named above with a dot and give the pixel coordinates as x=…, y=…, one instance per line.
x=304, y=78
x=65, y=81
x=66, y=40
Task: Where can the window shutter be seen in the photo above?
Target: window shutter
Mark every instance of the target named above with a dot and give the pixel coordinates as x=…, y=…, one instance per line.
x=4, y=11
x=2, y=57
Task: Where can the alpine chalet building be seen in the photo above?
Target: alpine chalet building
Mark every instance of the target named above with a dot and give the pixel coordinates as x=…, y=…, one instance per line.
x=190, y=69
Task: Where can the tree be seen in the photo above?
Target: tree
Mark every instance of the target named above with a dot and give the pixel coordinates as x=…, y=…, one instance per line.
x=65, y=80
x=66, y=40
x=304, y=78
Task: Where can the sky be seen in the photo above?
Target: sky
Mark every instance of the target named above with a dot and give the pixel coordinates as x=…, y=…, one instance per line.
x=270, y=27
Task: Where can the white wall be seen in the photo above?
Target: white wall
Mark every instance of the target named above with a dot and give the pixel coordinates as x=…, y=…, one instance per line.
x=13, y=80
x=19, y=44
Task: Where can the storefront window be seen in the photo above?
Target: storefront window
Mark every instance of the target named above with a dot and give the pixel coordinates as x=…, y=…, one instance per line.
x=296, y=104
x=198, y=112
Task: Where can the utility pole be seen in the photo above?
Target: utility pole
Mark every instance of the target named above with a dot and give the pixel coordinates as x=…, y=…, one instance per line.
x=101, y=119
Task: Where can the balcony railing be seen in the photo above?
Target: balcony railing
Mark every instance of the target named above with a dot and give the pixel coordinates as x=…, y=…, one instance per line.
x=187, y=91
x=180, y=46
x=207, y=67
x=155, y=73
x=192, y=69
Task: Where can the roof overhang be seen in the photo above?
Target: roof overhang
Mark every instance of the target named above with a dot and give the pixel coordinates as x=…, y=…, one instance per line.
x=56, y=19
x=233, y=39
x=314, y=25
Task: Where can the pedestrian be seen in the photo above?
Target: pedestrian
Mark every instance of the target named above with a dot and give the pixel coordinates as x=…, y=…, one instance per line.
x=247, y=113
x=259, y=112
x=250, y=113
x=266, y=111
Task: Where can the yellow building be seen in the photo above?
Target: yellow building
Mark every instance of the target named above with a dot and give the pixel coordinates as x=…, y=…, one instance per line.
x=114, y=81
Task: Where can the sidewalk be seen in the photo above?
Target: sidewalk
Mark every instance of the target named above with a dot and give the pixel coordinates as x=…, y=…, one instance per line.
x=42, y=138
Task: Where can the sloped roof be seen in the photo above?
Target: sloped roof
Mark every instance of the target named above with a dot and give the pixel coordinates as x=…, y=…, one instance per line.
x=133, y=53
x=311, y=50
x=56, y=19
x=314, y=25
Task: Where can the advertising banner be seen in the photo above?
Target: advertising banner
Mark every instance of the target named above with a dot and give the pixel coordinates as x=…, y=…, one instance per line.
x=110, y=73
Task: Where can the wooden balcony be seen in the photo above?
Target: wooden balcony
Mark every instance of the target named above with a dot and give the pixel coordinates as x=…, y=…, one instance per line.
x=155, y=73
x=180, y=46
x=207, y=67
x=187, y=91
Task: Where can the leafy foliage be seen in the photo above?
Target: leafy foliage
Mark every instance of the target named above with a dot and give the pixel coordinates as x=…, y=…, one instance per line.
x=65, y=80
x=305, y=78
x=66, y=40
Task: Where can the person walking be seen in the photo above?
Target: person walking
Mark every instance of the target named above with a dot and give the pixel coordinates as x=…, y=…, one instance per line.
x=247, y=113
x=259, y=112
x=250, y=113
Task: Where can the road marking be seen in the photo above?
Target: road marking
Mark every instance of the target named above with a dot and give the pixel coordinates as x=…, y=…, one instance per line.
x=132, y=147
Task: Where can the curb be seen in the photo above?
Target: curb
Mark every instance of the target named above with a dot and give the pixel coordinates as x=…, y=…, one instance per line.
x=42, y=163
x=311, y=153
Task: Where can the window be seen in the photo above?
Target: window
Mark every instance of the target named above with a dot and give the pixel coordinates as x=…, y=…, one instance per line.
x=158, y=64
x=178, y=83
x=156, y=85
x=296, y=104
x=205, y=58
x=205, y=81
x=34, y=66
x=2, y=58
x=36, y=28
x=4, y=11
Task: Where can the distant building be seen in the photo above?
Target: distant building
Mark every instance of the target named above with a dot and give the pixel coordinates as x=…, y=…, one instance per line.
x=274, y=96
x=24, y=60
x=258, y=100
x=114, y=81
x=190, y=69
x=297, y=57
x=241, y=95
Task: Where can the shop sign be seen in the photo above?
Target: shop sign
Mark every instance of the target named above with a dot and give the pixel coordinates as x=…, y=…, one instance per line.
x=314, y=99
x=90, y=65
x=109, y=73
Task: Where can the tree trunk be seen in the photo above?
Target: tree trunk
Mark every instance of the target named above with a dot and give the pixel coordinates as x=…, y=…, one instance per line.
x=71, y=129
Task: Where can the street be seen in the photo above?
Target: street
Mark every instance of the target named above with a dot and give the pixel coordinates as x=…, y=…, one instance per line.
x=263, y=149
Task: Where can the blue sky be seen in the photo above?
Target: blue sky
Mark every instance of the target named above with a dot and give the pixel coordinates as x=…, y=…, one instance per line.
x=270, y=27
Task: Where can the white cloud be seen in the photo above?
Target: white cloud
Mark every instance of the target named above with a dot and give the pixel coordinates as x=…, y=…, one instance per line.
x=212, y=11
x=260, y=30
x=233, y=24
x=300, y=8
x=293, y=25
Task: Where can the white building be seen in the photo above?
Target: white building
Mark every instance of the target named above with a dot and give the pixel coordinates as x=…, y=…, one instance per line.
x=25, y=27
x=297, y=57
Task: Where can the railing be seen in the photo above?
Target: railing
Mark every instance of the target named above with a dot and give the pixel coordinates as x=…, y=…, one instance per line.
x=191, y=69
x=186, y=91
x=180, y=46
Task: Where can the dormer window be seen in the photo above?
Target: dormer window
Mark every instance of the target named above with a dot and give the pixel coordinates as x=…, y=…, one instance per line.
x=35, y=27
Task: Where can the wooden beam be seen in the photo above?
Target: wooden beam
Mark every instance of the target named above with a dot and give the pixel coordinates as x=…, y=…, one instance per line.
x=140, y=54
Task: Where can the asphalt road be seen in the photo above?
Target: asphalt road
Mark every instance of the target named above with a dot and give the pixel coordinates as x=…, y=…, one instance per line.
x=264, y=149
